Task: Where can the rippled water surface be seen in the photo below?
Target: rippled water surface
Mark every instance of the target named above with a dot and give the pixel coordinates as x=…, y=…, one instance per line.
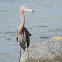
x=45, y=23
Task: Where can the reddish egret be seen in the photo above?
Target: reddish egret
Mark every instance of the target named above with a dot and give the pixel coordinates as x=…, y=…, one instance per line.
x=23, y=35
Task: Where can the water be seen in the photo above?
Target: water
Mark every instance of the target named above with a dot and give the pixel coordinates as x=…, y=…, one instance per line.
x=45, y=23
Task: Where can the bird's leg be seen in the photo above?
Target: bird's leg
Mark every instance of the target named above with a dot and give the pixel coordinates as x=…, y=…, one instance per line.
x=27, y=51
x=20, y=54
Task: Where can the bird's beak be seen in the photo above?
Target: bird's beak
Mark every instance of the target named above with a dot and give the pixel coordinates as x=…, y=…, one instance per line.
x=30, y=10
x=33, y=11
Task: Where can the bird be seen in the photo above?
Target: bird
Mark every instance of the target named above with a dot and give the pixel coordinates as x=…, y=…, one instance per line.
x=23, y=35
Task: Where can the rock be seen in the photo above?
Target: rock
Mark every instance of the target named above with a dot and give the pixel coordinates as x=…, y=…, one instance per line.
x=46, y=51
x=56, y=38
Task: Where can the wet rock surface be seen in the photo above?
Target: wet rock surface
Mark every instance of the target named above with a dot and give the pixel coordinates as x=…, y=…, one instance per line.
x=56, y=38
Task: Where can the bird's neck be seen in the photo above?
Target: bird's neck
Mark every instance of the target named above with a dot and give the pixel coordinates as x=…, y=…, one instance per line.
x=22, y=17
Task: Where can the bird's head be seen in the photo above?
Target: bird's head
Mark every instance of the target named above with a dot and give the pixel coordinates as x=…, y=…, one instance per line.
x=24, y=8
